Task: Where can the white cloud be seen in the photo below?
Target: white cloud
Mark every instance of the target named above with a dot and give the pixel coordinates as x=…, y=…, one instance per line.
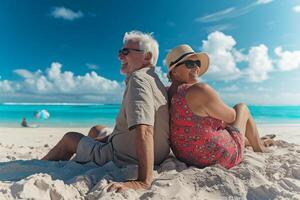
x=59, y=79
x=24, y=73
x=260, y=64
x=231, y=12
x=6, y=86
x=222, y=63
x=33, y=82
x=217, y=15
x=225, y=60
x=57, y=85
x=239, y=56
x=288, y=60
x=65, y=13
x=263, y=1
x=162, y=76
x=296, y=9
x=90, y=83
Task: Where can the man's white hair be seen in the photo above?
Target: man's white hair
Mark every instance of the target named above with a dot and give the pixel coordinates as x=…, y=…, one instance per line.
x=146, y=41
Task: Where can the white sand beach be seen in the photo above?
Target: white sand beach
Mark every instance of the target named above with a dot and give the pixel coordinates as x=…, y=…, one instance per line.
x=274, y=175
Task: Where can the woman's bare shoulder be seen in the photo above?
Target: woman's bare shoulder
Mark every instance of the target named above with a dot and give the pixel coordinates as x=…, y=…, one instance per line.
x=197, y=97
x=201, y=94
x=199, y=88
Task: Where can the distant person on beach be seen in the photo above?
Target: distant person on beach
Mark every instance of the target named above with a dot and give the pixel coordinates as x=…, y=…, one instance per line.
x=24, y=122
x=203, y=129
x=141, y=133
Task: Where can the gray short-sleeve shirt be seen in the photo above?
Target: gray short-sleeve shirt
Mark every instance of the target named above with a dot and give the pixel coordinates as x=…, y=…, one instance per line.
x=140, y=108
x=144, y=102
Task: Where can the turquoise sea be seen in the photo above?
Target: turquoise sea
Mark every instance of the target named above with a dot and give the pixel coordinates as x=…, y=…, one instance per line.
x=87, y=115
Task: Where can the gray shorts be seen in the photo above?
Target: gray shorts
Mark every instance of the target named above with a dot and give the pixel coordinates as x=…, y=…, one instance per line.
x=89, y=150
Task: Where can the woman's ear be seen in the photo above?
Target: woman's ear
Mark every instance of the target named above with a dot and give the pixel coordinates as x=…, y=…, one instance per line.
x=172, y=74
x=174, y=71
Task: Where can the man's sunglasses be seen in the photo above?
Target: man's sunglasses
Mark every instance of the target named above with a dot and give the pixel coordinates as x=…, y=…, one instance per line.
x=126, y=51
x=190, y=63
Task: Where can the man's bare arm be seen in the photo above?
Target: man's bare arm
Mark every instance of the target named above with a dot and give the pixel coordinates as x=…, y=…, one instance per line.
x=145, y=154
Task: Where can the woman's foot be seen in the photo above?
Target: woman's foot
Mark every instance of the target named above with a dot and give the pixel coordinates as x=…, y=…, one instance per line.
x=262, y=146
x=267, y=140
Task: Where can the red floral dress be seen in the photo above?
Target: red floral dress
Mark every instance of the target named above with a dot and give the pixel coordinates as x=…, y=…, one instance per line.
x=202, y=141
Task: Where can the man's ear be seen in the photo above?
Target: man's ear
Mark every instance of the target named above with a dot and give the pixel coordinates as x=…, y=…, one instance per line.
x=148, y=56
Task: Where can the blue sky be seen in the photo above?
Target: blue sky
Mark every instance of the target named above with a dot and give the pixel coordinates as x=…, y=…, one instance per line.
x=66, y=51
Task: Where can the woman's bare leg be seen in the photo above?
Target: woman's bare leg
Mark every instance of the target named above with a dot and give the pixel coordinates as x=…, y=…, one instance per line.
x=245, y=123
x=247, y=143
x=65, y=148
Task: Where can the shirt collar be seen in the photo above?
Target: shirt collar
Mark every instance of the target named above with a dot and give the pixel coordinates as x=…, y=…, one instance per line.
x=149, y=68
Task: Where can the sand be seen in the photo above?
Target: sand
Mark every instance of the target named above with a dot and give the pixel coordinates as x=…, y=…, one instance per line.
x=274, y=175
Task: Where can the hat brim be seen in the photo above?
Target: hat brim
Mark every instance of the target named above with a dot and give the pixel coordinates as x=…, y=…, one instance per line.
x=204, y=59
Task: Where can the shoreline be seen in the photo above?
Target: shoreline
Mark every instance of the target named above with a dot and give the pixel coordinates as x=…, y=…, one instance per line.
x=35, y=136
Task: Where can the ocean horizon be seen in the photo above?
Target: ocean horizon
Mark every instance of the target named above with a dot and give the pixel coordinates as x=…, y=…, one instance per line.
x=90, y=114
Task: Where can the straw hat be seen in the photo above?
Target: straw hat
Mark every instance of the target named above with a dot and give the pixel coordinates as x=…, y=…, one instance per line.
x=184, y=52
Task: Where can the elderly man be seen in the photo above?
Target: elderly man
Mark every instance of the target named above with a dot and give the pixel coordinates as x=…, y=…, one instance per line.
x=141, y=133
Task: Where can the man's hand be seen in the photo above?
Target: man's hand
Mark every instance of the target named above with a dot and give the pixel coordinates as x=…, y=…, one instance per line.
x=135, y=185
x=145, y=154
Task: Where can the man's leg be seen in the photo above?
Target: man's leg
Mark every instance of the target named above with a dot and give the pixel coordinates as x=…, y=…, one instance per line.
x=65, y=148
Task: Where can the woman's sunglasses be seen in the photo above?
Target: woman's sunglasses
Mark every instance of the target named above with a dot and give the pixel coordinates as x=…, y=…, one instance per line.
x=126, y=51
x=190, y=63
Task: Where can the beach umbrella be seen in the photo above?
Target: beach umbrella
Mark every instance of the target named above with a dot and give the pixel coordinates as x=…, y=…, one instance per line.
x=43, y=114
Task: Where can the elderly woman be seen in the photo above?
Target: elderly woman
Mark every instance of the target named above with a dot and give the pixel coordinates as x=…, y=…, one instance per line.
x=204, y=130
